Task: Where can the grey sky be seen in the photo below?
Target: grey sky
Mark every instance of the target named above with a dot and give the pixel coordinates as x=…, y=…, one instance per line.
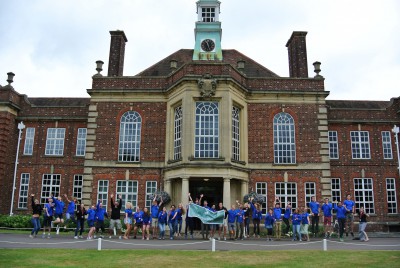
x=52, y=46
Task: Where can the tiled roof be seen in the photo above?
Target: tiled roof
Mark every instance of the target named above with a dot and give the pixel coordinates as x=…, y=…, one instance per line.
x=350, y=104
x=56, y=102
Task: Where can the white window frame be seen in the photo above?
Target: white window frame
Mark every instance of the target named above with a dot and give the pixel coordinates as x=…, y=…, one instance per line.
x=387, y=145
x=151, y=187
x=360, y=145
x=208, y=14
x=128, y=191
x=235, y=133
x=285, y=194
x=336, y=191
x=178, y=120
x=364, y=194
x=262, y=189
x=391, y=195
x=55, y=141
x=50, y=185
x=81, y=142
x=130, y=137
x=77, y=189
x=333, y=145
x=102, y=192
x=206, y=130
x=24, y=190
x=284, y=139
x=29, y=140
x=309, y=191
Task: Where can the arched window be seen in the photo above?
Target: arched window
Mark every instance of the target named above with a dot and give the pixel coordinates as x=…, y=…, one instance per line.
x=284, y=139
x=178, y=133
x=129, y=137
x=207, y=130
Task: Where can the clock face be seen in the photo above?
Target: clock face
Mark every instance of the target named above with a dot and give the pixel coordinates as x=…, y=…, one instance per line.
x=207, y=45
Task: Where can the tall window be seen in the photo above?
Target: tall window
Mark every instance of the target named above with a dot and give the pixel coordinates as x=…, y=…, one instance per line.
x=391, y=195
x=55, y=141
x=128, y=190
x=364, y=194
x=178, y=133
x=235, y=134
x=151, y=187
x=286, y=192
x=50, y=185
x=81, y=142
x=360, y=144
x=261, y=189
x=129, y=137
x=207, y=130
x=29, y=141
x=387, y=145
x=333, y=145
x=284, y=139
x=78, y=187
x=208, y=14
x=335, y=189
x=102, y=192
x=309, y=190
x=23, y=191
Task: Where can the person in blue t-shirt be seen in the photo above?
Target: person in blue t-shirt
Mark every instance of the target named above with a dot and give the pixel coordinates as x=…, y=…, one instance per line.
x=286, y=217
x=269, y=224
x=70, y=215
x=278, y=218
x=326, y=209
x=155, y=210
x=305, y=221
x=146, y=224
x=257, y=216
x=173, y=213
x=205, y=228
x=162, y=221
x=138, y=216
x=128, y=219
x=239, y=221
x=350, y=206
x=231, y=222
x=341, y=217
x=100, y=214
x=296, y=220
x=48, y=217
x=179, y=220
x=59, y=210
x=314, y=207
x=90, y=221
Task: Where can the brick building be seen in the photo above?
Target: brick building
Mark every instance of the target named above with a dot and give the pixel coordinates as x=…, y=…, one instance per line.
x=203, y=120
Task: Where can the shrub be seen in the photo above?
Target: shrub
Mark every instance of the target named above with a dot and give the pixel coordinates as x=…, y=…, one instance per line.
x=15, y=221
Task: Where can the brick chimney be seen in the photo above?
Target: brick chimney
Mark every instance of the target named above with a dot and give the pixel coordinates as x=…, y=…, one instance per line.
x=297, y=51
x=117, y=53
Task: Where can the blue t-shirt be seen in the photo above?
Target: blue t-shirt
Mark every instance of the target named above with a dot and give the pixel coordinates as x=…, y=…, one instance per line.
x=327, y=209
x=162, y=217
x=100, y=212
x=71, y=207
x=314, y=206
x=179, y=216
x=91, y=214
x=138, y=216
x=49, y=209
x=349, y=204
x=296, y=219
x=59, y=205
x=239, y=216
x=232, y=215
x=340, y=212
x=146, y=218
x=129, y=212
x=171, y=218
x=277, y=213
x=288, y=211
x=304, y=218
x=154, y=211
x=269, y=220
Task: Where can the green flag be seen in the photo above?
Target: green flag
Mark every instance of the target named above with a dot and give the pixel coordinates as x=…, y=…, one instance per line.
x=205, y=215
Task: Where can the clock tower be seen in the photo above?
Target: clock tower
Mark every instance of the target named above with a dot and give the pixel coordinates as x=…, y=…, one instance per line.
x=208, y=32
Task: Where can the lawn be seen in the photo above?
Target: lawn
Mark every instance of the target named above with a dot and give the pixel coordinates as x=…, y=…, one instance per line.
x=179, y=259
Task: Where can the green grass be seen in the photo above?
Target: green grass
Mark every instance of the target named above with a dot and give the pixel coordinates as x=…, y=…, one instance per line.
x=177, y=258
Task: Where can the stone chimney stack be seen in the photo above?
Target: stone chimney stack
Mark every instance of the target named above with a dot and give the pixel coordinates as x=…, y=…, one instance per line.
x=297, y=55
x=117, y=53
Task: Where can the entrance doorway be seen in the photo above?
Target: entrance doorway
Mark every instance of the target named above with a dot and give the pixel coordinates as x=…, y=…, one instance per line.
x=212, y=190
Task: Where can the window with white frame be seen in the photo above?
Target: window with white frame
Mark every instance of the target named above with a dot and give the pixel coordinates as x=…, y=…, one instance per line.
x=102, y=192
x=284, y=139
x=391, y=195
x=333, y=145
x=286, y=192
x=207, y=130
x=81, y=142
x=50, y=186
x=128, y=191
x=364, y=194
x=261, y=189
x=178, y=133
x=360, y=144
x=335, y=189
x=387, y=145
x=208, y=14
x=309, y=191
x=235, y=133
x=29, y=141
x=55, y=141
x=77, y=187
x=129, y=137
x=151, y=187
x=23, y=191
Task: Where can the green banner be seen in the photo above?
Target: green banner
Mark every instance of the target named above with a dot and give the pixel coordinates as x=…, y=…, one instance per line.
x=205, y=215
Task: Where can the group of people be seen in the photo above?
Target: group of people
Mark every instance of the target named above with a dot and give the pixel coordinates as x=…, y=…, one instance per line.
x=235, y=225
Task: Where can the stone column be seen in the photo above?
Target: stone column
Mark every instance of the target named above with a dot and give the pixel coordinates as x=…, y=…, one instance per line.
x=244, y=189
x=227, y=193
x=167, y=186
x=185, y=191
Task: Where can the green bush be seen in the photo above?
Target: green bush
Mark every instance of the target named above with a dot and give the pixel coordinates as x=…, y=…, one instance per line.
x=15, y=221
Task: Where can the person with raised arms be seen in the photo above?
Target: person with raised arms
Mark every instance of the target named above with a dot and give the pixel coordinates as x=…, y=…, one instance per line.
x=189, y=222
x=91, y=221
x=48, y=217
x=205, y=228
x=341, y=217
x=224, y=226
x=278, y=218
x=70, y=215
x=350, y=206
x=257, y=216
x=138, y=216
x=173, y=213
x=326, y=209
x=36, y=212
x=80, y=220
x=100, y=214
x=115, y=221
x=59, y=210
x=286, y=217
x=155, y=210
x=296, y=221
x=231, y=222
x=269, y=224
x=128, y=219
x=305, y=221
x=314, y=207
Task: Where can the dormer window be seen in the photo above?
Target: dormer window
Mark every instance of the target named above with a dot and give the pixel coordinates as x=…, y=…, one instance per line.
x=208, y=14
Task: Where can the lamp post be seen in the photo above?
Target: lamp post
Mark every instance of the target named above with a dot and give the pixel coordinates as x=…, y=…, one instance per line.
x=396, y=131
x=21, y=126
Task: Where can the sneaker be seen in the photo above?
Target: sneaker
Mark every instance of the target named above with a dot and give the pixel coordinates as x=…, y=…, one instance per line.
x=224, y=238
x=49, y=236
x=65, y=227
x=300, y=240
x=341, y=240
x=101, y=236
x=171, y=238
x=30, y=236
x=75, y=237
x=120, y=237
x=80, y=236
x=110, y=237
